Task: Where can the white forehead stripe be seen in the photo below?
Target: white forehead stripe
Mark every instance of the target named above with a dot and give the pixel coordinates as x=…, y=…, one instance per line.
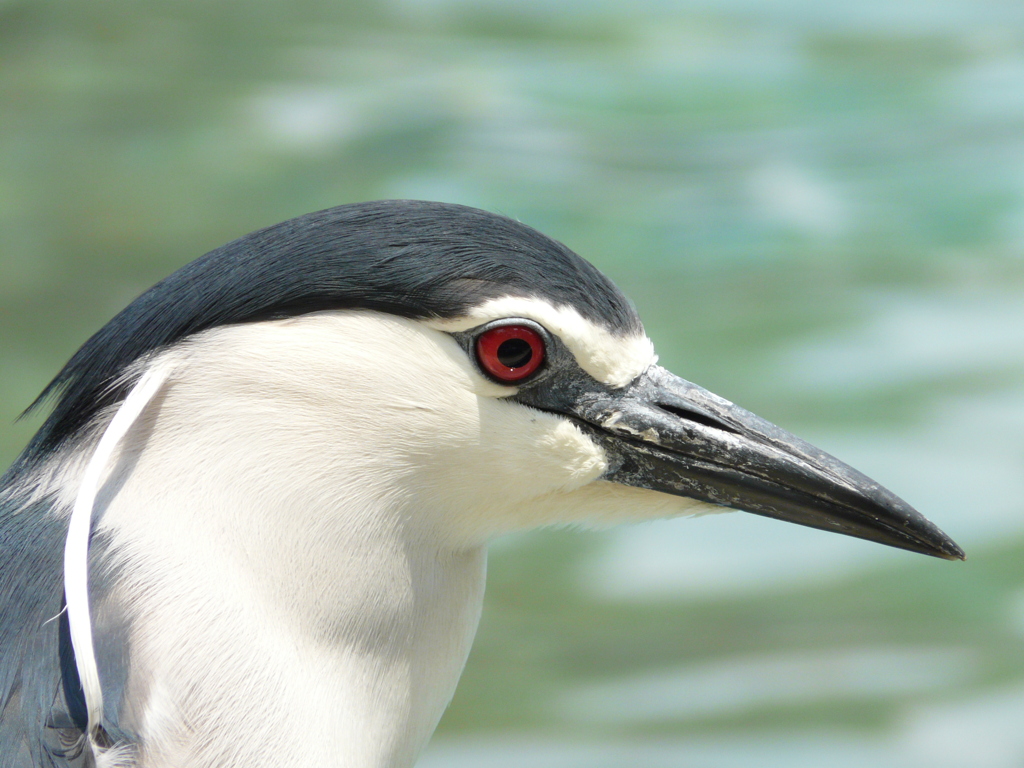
x=614, y=360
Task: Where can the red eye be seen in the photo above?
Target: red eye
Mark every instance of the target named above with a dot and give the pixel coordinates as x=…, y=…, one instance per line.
x=510, y=353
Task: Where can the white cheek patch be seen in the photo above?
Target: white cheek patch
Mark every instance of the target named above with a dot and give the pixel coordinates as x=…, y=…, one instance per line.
x=613, y=360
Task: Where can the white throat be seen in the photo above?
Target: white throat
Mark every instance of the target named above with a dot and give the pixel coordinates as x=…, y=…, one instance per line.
x=309, y=589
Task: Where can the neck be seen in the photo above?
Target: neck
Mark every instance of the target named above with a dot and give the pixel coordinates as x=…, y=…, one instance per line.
x=270, y=621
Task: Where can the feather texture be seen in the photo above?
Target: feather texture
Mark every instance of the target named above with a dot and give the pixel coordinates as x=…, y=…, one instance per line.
x=42, y=711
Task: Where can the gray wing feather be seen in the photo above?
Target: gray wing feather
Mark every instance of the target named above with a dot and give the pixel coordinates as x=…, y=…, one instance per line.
x=42, y=711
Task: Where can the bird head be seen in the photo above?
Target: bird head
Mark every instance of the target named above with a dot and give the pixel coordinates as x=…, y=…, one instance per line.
x=478, y=374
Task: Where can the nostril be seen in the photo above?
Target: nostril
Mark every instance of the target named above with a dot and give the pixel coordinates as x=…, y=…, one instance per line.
x=698, y=418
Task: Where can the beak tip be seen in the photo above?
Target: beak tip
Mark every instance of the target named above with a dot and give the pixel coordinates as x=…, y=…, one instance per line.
x=953, y=552
x=938, y=544
x=935, y=541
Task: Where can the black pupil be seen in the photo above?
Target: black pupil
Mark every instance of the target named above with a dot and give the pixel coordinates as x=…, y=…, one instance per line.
x=514, y=353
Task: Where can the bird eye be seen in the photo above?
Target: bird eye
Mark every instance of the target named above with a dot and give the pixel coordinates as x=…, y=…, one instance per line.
x=510, y=353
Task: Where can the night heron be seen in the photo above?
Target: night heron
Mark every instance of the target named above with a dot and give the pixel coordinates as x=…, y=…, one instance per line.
x=253, y=529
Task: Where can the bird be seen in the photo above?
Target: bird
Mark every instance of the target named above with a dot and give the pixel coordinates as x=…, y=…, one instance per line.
x=253, y=527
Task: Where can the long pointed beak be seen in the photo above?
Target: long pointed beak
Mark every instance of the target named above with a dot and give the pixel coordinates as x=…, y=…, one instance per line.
x=666, y=434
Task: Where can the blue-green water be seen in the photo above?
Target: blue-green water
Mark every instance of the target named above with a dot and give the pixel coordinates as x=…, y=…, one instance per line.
x=818, y=208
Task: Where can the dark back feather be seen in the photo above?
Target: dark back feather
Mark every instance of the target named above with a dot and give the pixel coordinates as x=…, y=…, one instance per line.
x=41, y=708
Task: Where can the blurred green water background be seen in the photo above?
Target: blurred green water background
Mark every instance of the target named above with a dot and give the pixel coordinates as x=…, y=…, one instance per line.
x=818, y=208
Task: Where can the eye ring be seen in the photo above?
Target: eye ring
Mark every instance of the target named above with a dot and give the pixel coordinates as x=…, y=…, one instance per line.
x=510, y=353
